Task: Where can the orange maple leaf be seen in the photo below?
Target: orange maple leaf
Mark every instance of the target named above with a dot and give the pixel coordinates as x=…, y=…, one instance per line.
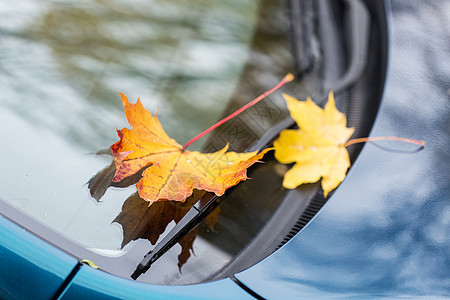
x=172, y=172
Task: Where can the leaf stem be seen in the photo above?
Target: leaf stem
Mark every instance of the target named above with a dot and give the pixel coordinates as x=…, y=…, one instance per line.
x=288, y=78
x=384, y=138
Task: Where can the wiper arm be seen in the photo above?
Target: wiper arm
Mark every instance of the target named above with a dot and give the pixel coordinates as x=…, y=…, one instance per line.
x=195, y=215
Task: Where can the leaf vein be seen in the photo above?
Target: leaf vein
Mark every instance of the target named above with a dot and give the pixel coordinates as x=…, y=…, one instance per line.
x=168, y=177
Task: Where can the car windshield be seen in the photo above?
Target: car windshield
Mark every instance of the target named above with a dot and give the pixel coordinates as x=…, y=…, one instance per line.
x=63, y=64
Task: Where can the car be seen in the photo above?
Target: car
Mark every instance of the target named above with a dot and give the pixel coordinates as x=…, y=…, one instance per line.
x=69, y=232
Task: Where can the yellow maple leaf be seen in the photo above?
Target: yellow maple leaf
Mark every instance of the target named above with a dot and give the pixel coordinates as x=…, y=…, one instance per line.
x=172, y=172
x=317, y=147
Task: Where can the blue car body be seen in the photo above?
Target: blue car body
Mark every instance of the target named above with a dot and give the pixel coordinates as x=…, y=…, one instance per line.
x=33, y=269
x=383, y=233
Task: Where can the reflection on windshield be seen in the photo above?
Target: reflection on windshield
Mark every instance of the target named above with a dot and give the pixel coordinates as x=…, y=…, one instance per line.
x=141, y=221
x=63, y=64
x=184, y=57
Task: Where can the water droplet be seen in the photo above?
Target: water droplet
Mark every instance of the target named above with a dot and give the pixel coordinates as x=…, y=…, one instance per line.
x=188, y=161
x=154, y=140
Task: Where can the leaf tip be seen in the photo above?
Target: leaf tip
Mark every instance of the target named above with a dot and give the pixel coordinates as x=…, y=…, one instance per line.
x=288, y=98
x=331, y=94
x=124, y=99
x=331, y=100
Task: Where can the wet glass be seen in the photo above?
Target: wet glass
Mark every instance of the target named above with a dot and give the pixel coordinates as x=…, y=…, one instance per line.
x=62, y=66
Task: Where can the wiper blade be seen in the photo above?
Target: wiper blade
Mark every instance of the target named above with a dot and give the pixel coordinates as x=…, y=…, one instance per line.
x=192, y=218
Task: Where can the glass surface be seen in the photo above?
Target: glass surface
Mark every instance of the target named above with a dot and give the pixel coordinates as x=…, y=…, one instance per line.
x=62, y=66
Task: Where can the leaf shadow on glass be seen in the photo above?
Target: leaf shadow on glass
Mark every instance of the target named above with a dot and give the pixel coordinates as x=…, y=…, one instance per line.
x=141, y=221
